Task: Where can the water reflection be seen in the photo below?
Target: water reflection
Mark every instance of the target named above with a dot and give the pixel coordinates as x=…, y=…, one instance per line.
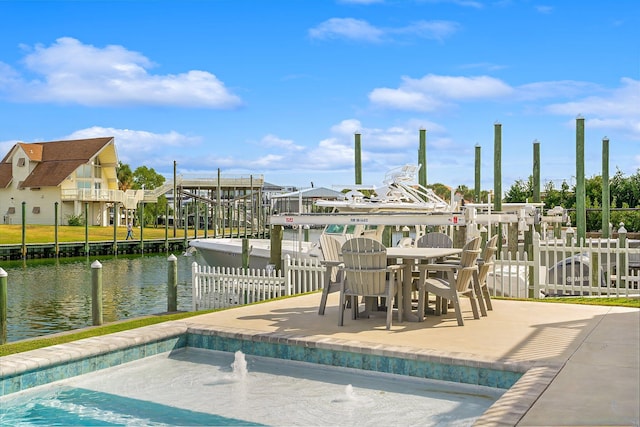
x=48, y=296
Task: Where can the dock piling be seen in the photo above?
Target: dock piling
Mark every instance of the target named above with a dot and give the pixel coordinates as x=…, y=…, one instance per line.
x=172, y=284
x=96, y=293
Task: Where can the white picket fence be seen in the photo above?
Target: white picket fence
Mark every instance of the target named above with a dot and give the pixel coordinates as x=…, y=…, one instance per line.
x=221, y=287
x=593, y=268
x=559, y=267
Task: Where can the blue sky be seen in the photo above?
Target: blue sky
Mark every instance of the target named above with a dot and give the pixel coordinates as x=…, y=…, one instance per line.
x=279, y=88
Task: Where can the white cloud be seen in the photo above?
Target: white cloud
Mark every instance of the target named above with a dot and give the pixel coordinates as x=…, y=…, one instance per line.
x=432, y=92
x=347, y=127
x=134, y=146
x=5, y=146
x=437, y=30
x=615, y=109
x=69, y=71
x=274, y=141
x=357, y=29
x=348, y=28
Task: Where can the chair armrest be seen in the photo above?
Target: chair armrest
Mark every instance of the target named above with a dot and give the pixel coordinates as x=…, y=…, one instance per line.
x=438, y=267
x=395, y=267
x=331, y=263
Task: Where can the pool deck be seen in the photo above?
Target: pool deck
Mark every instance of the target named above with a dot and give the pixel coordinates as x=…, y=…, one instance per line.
x=582, y=362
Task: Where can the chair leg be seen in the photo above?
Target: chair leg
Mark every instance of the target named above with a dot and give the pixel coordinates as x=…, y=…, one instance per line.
x=341, y=309
x=325, y=294
x=456, y=304
x=478, y=294
x=438, y=305
x=397, y=290
x=487, y=297
x=474, y=305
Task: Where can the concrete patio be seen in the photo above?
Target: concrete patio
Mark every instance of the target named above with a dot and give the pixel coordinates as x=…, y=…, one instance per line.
x=584, y=361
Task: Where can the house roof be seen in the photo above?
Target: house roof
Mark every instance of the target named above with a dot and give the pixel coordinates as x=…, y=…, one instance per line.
x=56, y=160
x=5, y=174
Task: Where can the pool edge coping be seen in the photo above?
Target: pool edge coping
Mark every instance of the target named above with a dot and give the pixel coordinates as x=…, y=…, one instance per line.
x=509, y=409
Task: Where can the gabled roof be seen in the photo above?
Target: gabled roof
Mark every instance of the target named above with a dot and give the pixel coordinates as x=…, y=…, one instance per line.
x=5, y=174
x=56, y=160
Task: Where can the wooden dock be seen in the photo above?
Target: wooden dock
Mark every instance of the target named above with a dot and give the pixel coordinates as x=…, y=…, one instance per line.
x=80, y=249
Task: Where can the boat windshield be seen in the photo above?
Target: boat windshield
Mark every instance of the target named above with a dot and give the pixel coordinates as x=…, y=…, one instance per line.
x=339, y=229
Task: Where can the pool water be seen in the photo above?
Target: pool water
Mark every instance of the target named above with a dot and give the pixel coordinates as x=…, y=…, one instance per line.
x=201, y=387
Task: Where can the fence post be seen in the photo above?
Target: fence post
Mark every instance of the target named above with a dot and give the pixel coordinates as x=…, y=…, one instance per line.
x=287, y=275
x=535, y=257
x=96, y=293
x=3, y=306
x=172, y=284
x=622, y=259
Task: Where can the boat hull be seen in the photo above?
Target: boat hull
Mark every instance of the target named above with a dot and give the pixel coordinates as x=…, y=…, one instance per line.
x=227, y=252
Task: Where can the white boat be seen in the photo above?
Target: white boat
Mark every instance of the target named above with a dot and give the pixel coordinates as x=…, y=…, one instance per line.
x=227, y=252
x=398, y=195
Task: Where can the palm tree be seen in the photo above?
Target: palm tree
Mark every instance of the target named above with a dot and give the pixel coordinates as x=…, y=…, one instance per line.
x=125, y=177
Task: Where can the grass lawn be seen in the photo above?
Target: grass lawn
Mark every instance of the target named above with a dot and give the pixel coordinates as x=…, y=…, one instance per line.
x=12, y=233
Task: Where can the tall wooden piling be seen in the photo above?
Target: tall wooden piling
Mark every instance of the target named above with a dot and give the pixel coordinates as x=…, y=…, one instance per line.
x=605, y=188
x=115, y=228
x=245, y=253
x=86, y=228
x=536, y=171
x=56, y=247
x=497, y=167
x=581, y=212
x=497, y=179
x=358, y=159
x=476, y=193
x=276, y=247
x=422, y=158
x=24, y=230
x=175, y=201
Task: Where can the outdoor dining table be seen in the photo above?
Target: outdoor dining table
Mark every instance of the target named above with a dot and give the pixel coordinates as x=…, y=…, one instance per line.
x=409, y=256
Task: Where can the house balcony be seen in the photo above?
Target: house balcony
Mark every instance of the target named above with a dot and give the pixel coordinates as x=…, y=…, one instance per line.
x=129, y=199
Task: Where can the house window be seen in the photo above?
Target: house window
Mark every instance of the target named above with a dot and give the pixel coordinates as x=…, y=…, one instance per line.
x=84, y=171
x=36, y=210
x=21, y=161
x=11, y=210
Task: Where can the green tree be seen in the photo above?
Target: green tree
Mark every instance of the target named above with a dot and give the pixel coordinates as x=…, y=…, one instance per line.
x=520, y=191
x=125, y=177
x=148, y=179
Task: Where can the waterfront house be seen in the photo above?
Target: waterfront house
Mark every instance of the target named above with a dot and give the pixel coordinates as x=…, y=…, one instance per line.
x=77, y=176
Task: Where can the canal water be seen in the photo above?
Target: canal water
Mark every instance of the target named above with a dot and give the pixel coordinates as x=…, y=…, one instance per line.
x=49, y=296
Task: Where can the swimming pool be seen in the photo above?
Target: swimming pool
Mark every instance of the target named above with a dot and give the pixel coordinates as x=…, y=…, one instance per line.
x=24, y=371
x=200, y=387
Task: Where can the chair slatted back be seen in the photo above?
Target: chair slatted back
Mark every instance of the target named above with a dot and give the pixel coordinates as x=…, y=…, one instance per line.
x=365, y=265
x=434, y=240
x=488, y=256
x=470, y=253
x=330, y=247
